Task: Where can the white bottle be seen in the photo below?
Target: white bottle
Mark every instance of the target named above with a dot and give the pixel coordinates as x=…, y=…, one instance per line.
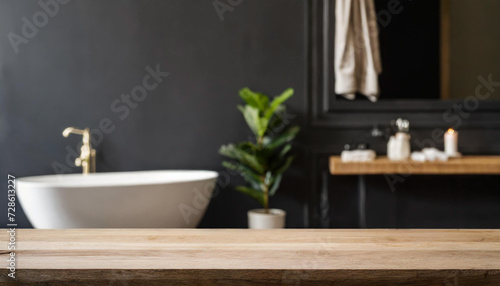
x=398, y=147
x=391, y=149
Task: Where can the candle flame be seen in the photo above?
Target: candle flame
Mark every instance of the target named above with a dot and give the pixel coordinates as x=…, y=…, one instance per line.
x=451, y=131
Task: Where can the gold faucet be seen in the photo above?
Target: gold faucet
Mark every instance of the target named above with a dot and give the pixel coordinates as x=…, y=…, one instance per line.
x=87, y=154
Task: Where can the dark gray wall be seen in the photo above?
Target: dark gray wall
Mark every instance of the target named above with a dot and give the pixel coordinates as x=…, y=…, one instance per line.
x=93, y=51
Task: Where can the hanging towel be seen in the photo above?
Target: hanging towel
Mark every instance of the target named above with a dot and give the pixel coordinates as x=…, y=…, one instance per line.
x=357, y=53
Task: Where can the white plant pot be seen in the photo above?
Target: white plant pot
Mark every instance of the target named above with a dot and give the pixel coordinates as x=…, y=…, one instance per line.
x=259, y=219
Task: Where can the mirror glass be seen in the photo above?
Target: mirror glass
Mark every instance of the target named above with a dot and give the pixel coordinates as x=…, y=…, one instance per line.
x=471, y=46
x=437, y=50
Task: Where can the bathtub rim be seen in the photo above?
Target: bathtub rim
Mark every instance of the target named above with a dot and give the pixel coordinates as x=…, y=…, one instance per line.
x=44, y=181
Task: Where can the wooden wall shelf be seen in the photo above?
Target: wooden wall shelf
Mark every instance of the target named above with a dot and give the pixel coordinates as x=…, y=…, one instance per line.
x=247, y=257
x=480, y=165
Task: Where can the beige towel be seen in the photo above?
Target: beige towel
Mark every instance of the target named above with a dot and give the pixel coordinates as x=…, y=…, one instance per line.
x=357, y=53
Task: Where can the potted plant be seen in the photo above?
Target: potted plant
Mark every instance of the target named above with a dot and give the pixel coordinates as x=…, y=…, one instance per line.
x=262, y=160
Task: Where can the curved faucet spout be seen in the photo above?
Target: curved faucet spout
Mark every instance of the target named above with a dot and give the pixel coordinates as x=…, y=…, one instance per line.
x=72, y=130
x=87, y=154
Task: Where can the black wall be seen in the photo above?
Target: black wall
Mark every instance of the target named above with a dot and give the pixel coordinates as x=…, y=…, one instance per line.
x=91, y=52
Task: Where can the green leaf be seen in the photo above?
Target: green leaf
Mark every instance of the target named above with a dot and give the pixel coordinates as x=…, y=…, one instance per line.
x=269, y=178
x=275, y=185
x=257, y=124
x=257, y=195
x=254, y=150
x=277, y=101
x=247, y=145
x=251, y=115
x=255, y=99
x=287, y=136
x=285, y=150
x=243, y=157
x=276, y=122
x=285, y=166
x=248, y=175
x=280, y=157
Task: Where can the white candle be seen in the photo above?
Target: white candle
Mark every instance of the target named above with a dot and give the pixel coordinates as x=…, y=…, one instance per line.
x=451, y=142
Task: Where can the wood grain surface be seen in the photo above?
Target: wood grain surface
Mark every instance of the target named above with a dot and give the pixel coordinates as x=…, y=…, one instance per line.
x=479, y=165
x=249, y=257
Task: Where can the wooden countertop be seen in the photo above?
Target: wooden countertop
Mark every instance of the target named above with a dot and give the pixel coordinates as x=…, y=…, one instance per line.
x=243, y=257
x=479, y=165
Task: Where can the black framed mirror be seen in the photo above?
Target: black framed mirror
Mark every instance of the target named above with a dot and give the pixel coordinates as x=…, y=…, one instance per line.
x=434, y=73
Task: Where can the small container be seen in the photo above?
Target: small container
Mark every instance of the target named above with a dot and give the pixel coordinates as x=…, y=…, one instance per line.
x=398, y=147
x=259, y=219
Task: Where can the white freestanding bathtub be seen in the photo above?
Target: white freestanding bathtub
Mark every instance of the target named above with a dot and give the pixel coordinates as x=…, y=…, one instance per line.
x=142, y=199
